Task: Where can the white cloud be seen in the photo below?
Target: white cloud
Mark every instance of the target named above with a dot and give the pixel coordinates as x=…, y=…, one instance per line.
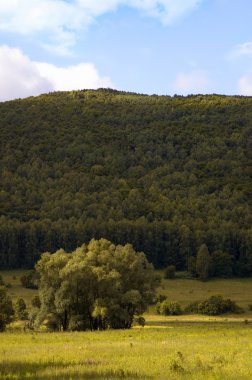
x=245, y=85
x=83, y=75
x=193, y=82
x=21, y=77
x=58, y=22
x=241, y=50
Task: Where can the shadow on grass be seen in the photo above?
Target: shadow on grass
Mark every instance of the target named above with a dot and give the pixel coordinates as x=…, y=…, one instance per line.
x=56, y=370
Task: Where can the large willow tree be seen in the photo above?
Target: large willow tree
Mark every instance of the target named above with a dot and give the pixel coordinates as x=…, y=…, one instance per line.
x=98, y=286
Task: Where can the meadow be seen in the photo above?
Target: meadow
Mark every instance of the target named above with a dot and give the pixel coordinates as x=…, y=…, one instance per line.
x=178, y=351
x=173, y=348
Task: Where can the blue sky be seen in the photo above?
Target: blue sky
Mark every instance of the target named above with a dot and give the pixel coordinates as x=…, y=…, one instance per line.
x=146, y=46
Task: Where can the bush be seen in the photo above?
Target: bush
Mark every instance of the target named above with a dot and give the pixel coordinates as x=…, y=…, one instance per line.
x=36, y=302
x=20, y=309
x=215, y=305
x=161, y=298
x=170, y=272
x=140, y=321
x=168, y=308
x=29, y=280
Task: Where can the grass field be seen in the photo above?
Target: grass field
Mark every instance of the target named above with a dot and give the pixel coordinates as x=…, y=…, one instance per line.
x=173, y=348
x=193, y=351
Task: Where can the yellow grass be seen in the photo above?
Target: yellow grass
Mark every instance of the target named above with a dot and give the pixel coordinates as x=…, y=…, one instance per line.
x=192, y=351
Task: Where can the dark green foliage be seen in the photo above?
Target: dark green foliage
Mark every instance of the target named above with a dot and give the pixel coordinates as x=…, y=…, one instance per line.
x=97, y=286
x=215, y=305
x=2, y=283
x=191, y=265
x=29, y=280
x=168, y=308
x=221, y=264
x=20, y=309
x=6, y=309
x=164, y=173
x=170, y=271
x=36, y=302
x=140, y=321
x=161, y=298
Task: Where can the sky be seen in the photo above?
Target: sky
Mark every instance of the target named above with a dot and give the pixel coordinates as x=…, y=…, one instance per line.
x=163, y=47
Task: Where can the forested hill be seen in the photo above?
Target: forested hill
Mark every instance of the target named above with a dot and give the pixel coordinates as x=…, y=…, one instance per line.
x=166, y=174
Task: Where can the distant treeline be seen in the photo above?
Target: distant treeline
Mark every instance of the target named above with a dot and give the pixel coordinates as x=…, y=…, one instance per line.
x=166, y=174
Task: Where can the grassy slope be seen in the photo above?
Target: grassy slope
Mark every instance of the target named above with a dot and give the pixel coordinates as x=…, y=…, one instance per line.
x=185, y=291
x=209, y=352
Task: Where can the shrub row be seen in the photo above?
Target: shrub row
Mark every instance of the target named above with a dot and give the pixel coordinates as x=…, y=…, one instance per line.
x=215, y=305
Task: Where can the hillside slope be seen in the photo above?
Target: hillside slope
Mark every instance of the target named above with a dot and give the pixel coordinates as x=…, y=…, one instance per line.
x=163, y=173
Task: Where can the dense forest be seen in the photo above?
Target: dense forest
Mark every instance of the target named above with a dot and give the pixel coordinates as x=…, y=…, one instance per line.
x=166, y=174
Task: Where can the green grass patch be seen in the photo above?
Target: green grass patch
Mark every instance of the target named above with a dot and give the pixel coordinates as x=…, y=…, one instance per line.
x=185, y=291
x=192, y=351
x=15, y=289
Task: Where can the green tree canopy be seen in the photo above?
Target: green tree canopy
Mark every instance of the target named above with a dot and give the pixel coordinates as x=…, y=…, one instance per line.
x=98, y=286
x=166, y=174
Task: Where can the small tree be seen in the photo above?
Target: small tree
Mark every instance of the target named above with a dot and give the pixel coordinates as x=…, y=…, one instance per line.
x=36, y=302
x=170, y=272
x=29, y=280
x=6, y=309
x=203, y=262
x=20, y=309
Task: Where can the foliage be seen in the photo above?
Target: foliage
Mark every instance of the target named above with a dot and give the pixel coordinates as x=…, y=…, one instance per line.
x=164, y=173
x=203, y=262
x=170, y=272
x=97, y=286
x=221, y=264
x=168, y=308
x=20, y=309
x=215, y=305
x=29, y=280
x=191, y=265
x=161, y=298
x=6, y=308
x=36, y=302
